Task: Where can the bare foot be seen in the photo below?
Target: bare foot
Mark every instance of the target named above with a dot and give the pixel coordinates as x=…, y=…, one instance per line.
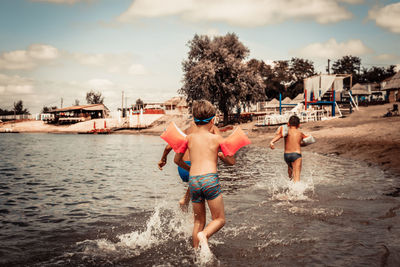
x=203, y=242
x=183, y=205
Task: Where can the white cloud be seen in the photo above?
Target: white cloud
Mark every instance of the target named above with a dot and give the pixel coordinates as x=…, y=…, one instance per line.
x=36, y=54
x=387, y=17
x=137, y=69
x=247, y=13
x=98, y=84
x=387, y=57
x=212, y=32
x=43, y=52
x=15, y=85
x=332, y=49
x=113, y=63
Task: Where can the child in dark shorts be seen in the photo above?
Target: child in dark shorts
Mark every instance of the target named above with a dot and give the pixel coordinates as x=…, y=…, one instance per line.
x=293, y=142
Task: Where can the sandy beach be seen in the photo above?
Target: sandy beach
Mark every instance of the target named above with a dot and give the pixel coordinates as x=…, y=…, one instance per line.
x=364, y=135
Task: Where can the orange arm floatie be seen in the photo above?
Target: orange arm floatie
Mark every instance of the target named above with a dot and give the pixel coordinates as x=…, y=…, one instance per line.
x=234, y=142
x=175, y=138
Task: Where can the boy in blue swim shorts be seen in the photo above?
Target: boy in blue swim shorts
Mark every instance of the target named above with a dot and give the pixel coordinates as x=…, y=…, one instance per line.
x=203, y=181
x=293, y=142
x=184, y=174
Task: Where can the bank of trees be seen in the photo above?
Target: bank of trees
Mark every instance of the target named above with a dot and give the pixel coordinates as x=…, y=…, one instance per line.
x=18, y=109
x=218, y=69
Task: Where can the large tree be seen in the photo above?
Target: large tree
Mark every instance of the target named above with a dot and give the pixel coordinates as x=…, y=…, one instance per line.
x=19, y=108
x=299, y=70
x=348, y=65
x=215, y=70
x=93, y=97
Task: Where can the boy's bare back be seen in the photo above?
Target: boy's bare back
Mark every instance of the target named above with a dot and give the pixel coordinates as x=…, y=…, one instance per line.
x=203, y=148
x=293, y=140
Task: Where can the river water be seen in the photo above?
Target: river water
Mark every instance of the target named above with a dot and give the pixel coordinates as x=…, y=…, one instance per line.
x=100, y=200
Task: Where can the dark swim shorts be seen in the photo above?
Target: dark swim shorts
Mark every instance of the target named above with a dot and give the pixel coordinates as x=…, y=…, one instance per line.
x=184, y=174
x=291, y=157
x=204, y=187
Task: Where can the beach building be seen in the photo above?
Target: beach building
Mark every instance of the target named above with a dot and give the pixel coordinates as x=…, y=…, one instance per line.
x=176, y=105
x=392, y=88
x=74, y=114
x=361, y=92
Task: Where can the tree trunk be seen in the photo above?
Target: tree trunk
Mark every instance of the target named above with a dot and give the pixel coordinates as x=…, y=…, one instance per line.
x=226, y=117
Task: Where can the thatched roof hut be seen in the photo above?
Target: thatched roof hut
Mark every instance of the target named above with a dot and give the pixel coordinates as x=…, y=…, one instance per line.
x=298, y=99
x=360, y=89
x=287, y=100
x=393, y=88
x=394, y=82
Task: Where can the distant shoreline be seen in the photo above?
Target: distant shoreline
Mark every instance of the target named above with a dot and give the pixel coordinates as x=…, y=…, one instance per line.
x=364, y=136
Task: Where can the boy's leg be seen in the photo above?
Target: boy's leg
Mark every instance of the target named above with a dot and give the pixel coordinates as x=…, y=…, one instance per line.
x=290, y=171
x=199, y=212
x=297, y=169
x=216, y=206
x=184, y=201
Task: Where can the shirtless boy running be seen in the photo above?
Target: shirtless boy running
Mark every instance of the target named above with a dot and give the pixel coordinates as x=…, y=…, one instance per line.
x=184, y=174
x=293, y=141
x=203, y=182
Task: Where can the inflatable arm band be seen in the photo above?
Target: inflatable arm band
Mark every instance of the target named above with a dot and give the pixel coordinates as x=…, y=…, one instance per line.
x=234, y=142
x=175, y=138
x=308, y=140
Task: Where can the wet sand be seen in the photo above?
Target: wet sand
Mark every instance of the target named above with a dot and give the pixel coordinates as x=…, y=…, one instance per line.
x=364, y=135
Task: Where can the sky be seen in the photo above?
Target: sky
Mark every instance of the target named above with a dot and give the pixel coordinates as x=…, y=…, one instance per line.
x=53, y=49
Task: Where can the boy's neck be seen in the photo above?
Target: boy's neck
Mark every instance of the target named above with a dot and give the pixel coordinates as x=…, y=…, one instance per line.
x=204, y=127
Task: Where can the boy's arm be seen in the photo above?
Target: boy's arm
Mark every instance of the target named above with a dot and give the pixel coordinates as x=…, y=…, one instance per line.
x=178, y=159
x=230, y=160
x=278, y=136
x=163, y=159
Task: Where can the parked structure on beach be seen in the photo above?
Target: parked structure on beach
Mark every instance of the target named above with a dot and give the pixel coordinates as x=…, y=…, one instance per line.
x=80, y=113
x=393, y=88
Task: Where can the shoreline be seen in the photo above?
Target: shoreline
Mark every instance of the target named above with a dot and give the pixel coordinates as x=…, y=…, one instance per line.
x=363, y=136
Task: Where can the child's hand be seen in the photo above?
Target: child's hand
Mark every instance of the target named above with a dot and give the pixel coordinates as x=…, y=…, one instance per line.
x=220, y=155
x=162, y=163
x=271, y=145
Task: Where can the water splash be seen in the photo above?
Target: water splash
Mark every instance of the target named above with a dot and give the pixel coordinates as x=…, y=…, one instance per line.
x=204, y=257
x=164, y=225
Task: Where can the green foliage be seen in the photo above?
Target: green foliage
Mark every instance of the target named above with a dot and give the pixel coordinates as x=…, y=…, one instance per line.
x=284, y=77
x=93, y=97
x=46, y=109
x=19, y=108
x=215, y=70
x=376, y=74
x=139, y=104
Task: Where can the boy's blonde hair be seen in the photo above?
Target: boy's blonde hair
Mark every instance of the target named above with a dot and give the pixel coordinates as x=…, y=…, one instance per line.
x=203, y=111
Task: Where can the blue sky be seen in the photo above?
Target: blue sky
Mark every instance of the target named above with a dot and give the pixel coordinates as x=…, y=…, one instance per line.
x=53, y=49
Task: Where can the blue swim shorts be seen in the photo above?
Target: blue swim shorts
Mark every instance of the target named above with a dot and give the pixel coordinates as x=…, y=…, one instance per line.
x=291, y=157
x=184, y=174
x=204, y=187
